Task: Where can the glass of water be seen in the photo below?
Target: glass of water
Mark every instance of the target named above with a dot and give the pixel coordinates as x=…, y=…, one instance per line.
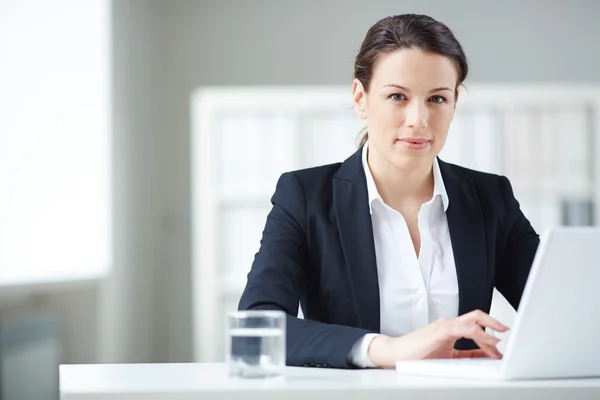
x=256, y=343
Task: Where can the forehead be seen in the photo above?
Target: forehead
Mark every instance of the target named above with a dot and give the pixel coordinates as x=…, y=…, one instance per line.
x=414, y=68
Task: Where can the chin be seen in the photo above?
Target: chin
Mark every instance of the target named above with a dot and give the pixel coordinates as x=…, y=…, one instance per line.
x=410, y=162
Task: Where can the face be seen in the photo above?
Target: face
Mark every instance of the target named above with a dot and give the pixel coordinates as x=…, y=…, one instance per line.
x=408, y=107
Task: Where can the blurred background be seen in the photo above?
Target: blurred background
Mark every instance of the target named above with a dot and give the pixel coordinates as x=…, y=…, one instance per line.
x=125, y=229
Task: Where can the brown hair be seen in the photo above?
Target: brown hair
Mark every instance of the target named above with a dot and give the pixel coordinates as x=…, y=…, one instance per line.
x=407, y=31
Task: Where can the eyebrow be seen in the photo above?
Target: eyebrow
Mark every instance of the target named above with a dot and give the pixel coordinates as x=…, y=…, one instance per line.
x=439, y=89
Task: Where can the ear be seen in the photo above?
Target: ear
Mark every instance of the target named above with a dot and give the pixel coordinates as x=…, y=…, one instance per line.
x=359, y=99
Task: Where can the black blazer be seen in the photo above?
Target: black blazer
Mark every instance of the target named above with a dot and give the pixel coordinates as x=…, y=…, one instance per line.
x=317, y=249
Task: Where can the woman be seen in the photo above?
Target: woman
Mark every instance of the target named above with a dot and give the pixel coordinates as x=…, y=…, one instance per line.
x=393, y=254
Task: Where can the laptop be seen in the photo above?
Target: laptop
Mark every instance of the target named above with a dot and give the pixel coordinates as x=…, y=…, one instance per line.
x=557, y=329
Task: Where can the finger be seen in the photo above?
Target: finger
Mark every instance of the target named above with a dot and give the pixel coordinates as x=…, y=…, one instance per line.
x=478, y=353
x=491, y=352
x=470, y=330
x=483, y=319
x=486, y=342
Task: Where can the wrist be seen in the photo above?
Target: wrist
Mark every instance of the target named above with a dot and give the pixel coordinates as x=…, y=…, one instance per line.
x=380, y=353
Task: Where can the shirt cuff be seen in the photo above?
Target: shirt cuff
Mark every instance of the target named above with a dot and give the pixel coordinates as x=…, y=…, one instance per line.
x=359, y=354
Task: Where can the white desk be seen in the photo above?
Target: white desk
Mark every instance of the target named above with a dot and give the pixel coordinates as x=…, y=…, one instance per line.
x=210, y=381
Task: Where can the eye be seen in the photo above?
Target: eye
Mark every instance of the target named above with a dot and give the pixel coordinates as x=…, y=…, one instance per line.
x=397, y=96
x=439, y=99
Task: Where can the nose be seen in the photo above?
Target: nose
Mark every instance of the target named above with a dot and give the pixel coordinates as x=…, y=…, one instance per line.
x=417, y=115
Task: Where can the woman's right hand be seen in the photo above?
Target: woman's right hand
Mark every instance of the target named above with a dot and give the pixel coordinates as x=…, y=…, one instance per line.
x=437, y=339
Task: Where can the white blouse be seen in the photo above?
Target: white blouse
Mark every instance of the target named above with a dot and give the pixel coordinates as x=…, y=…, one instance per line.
x=413, y=291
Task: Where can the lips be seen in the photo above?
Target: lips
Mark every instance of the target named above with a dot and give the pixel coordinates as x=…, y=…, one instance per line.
x=414, y=143
x=414, y=140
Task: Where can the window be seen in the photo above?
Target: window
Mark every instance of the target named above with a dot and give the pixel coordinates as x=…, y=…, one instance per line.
x=55, y=177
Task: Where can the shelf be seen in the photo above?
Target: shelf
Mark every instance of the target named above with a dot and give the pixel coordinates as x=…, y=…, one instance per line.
x=239, y=152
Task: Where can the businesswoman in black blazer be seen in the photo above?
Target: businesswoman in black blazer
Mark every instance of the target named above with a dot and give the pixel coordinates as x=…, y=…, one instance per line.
x=393, y=254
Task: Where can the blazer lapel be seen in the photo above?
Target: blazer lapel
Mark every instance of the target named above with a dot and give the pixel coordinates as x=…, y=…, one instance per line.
x=465, y=223
x=468, y=237
x=350, y=200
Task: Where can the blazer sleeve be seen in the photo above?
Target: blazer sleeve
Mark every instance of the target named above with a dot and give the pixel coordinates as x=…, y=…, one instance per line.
x=278, y=278
x=520, y=247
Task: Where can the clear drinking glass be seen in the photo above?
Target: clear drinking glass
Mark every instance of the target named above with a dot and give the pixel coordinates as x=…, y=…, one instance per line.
x=256, y=343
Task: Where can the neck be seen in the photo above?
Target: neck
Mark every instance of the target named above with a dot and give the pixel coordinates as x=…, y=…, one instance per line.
x=400, y=188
